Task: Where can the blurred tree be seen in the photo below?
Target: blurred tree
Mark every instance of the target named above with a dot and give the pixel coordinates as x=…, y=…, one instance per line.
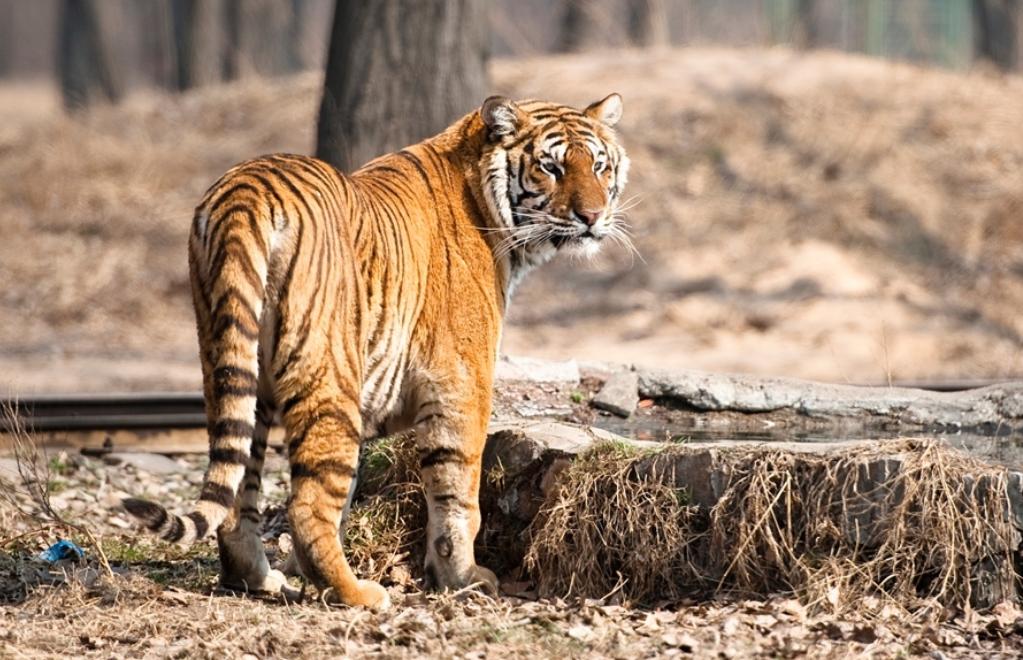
x=581, y=25
x=157, y=50
x=6, y=39
x=996, y=31
x=648, y=23
x=256, y=35
x=231, y=49
x=399, y=71
x=82, y=62
x=299, y=57
x=804, y=24
x=197, y=42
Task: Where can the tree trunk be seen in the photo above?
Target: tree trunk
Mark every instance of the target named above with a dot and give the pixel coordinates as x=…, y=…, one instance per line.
x=231, y=50
x=648, y=23
x=581, y=25
x=996, y=31
x=804, y=24
x=197, y=38
x=297, y=43
x=158, y=50
x=82, y=61
x=256, y=34
x=399, y=71
x=6, y=38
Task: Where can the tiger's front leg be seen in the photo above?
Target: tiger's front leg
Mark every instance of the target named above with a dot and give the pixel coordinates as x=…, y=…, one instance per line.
x=450, y=443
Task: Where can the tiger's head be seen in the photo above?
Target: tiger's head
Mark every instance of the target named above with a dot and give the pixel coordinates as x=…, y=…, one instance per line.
x=553, y=176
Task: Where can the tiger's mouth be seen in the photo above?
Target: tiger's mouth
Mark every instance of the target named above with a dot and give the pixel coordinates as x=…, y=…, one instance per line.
x=585, y=236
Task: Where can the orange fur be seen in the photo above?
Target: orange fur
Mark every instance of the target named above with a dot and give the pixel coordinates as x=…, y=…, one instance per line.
x=360, y=304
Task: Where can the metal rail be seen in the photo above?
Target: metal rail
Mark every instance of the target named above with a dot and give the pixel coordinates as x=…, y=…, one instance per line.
x=184, y=410
x=108, y=412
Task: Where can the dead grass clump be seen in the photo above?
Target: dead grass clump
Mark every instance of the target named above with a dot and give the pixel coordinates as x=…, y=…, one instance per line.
x=387, y=523
x=608, y=528
x=911, y=524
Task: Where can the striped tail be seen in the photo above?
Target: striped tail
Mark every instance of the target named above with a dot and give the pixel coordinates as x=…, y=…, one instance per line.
x=229, y=255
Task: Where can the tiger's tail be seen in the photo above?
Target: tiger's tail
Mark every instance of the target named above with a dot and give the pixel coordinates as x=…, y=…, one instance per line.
x=229, y=253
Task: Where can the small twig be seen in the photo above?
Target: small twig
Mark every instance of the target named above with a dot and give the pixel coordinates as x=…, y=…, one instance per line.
x=35, y=480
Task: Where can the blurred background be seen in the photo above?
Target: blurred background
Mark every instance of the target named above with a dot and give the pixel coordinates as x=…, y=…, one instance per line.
x=830, y=189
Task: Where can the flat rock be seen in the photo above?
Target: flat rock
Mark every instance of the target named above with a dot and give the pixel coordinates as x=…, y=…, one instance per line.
x=993, y=406
x=144, y=462
x=537, y=370
x=620, y=394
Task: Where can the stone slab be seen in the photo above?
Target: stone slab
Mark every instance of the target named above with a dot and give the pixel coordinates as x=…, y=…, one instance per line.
x=619, y=395
x=536, y=370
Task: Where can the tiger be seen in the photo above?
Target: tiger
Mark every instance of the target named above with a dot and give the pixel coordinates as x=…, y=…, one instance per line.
x=353, y=305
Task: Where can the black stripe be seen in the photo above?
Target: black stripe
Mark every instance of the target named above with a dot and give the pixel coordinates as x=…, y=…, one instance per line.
x=224, y=196
x=153, y=516
x=229, y=456
x=234, y=381
x=337, y=414
x=265, y=413
x=176, y=531
x=233, y=294
x=201, y=524
x=226, y=321
x=258, y=450
x=235, y=428
x=214, y=492
x=412, y=158
x=322, y=468
x=427, y=418
x=440, y=455
x=224, y=225
x=285, y=289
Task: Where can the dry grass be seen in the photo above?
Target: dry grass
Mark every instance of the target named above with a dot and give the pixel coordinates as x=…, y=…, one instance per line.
x=784, y=523
x=617, y=527
x=29, y=497
x=385, y=530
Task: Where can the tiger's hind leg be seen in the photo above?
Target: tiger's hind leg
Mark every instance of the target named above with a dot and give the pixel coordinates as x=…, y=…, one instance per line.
x=450, y=443
x=324, y=432
x=243, y=562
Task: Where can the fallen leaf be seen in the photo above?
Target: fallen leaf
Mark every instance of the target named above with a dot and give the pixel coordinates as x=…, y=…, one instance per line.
x=581, y=632
x=1006, y=613
x=792, y=608
x=649, y=625
x=680, y=640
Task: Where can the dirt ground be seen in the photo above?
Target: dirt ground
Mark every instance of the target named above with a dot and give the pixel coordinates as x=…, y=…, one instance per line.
x=163, y=602
x=817, y=215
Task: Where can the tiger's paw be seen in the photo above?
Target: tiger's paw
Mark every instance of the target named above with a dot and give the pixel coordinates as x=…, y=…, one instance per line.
x=273, y=583
x=476, y=576
x=369, y=594
x=373, y=596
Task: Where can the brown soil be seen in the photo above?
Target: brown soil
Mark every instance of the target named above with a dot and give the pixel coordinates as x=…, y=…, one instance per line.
x=163, y=602
x=818, y=215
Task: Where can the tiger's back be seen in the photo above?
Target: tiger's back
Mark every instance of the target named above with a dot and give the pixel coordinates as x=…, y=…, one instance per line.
x=350, y=305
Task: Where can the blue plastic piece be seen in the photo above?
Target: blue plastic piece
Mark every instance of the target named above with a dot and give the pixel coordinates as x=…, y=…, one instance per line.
x=62, y=549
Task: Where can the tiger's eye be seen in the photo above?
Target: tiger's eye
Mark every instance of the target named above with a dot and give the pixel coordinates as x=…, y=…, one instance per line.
x=551, y=168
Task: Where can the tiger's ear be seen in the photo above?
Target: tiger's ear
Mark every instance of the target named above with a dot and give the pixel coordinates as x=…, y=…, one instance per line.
x=608, y=110
x=502, y=117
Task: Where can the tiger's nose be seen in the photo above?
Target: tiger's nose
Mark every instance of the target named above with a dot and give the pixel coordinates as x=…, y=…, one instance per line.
x=589, y=216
